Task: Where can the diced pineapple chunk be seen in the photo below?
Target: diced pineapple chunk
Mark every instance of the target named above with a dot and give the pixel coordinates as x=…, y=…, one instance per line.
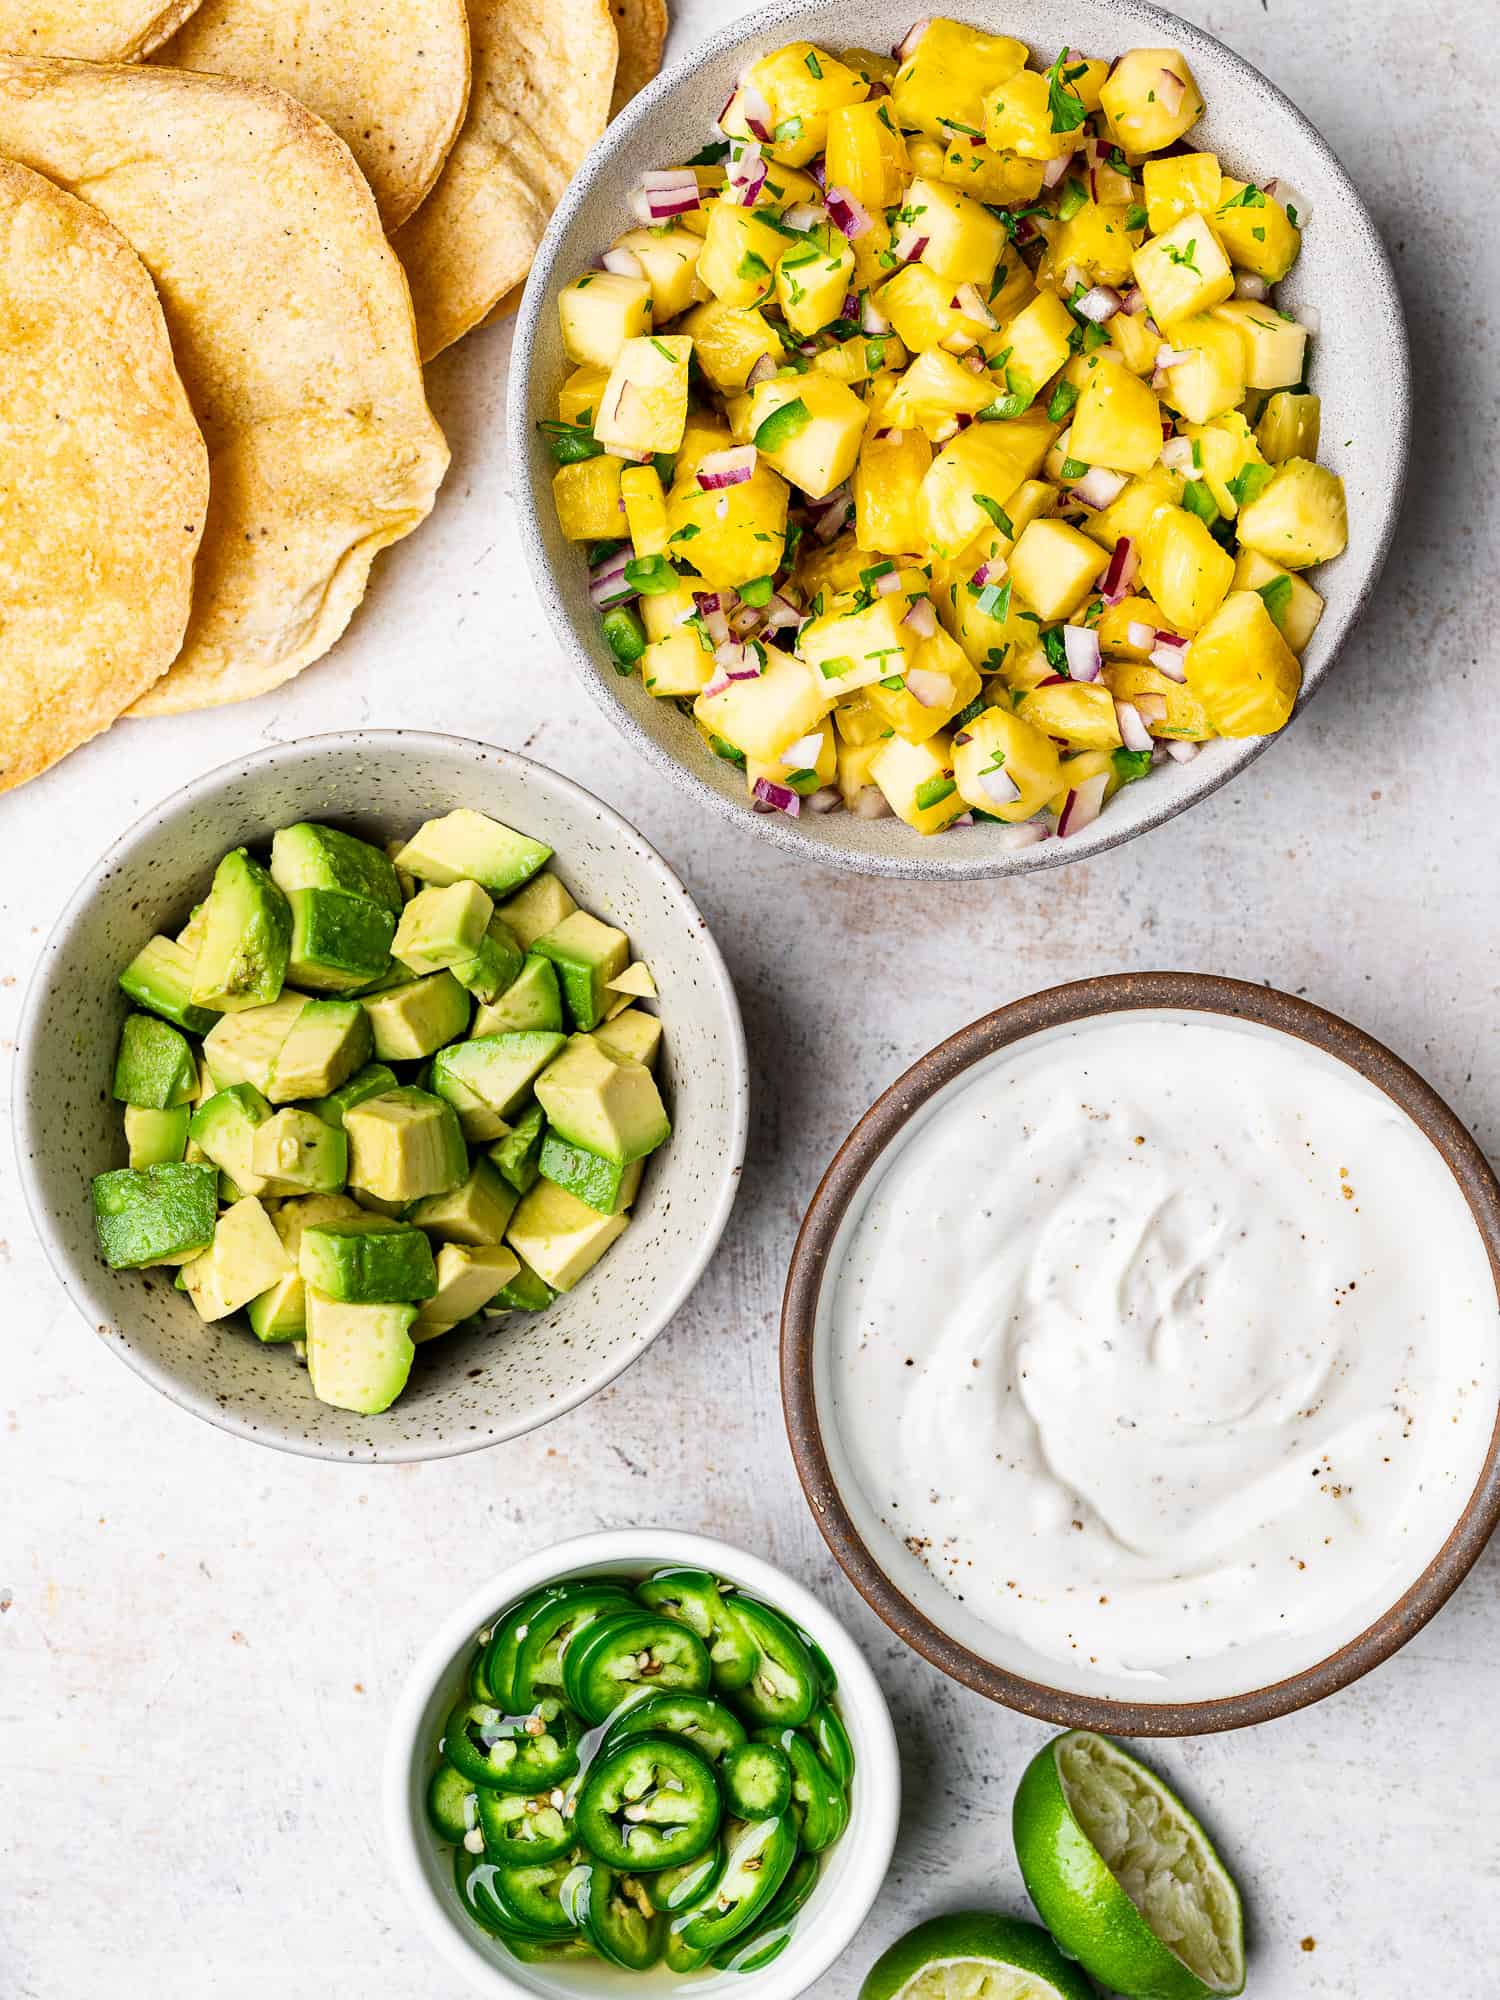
x=997, y=746
x=941, y=86
x=1018, y=119
x=578, y=398
x=1294, y=605
x=919, y=305
x=1300, y=519
x=1289, y=427
x=1096, y=238
x=809, y=428
x=857, y=720
x=680, y=663
x=855, y=361
x=1256, y=230
x=890, y=470
x=939, y=682
x=813, y=280
x=663, y=611
x=645, y=509
x=1242, y=670
x=917, y=779
x=1184, y=569
x=1117, y=421
x=1211, y=380
x=644, y=408
x=767, y=715
x=998, y=178
x=1082, y=713
x=1137, y=339
x=802, y=768
x=1184, y=271
x=1054, y=568
x=1185, y=184
x=867, y=154
x=972, y=478
x=1116, y=620
x=1228, y=460
x=740, y=253
x=668, y=254
x=701, y=435
x=854, y=761
x=1167, y=706
x=732, y=536
x=1136, y=507
x=587, y=498
x=964, y=242
x=599, y=312
x=932, y=392
x=1150, y=99
x=854, y=642
x=1275, y=345
x=729, y=340
x=1038, y=339
x=802, y=84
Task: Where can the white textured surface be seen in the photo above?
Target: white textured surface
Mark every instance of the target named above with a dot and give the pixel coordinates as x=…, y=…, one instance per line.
x=199, y=1639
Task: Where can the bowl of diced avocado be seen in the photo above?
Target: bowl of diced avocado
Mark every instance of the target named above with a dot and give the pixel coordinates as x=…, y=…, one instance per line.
x=948, y=445
x=381, y=1096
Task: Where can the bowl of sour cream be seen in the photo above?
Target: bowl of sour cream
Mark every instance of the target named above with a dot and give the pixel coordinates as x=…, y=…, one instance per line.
x=1141, y=1354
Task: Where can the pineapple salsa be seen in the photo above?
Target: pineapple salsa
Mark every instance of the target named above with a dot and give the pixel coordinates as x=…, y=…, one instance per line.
x=937, y=440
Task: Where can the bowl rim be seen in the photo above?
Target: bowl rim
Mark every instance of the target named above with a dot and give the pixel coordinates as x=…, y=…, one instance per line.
x=860, y=1154
x=874, y=1834
x=916, y=860
x=27, y=1122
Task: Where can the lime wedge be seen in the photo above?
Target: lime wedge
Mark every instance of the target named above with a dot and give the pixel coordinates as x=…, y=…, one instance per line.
x=1123, y=1875
x=972, y=1955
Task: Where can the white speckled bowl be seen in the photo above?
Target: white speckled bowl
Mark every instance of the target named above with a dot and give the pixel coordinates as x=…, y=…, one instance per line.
x=467, y=1390
x=853, y=1870
x=1343, y=270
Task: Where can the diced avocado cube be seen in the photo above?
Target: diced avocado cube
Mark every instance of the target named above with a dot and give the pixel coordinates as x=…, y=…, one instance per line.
x=559, y=1236
x=247, y=938
x=495, y=965
x=517, y=1153
x=404, y=1145
x=242, y=1048
x=635, y=982
x=156, y=1138
x=478, y=1121
x=498, y=1069
x=309, y=856
x=160, y=978
x=339, y=941
x=374, y=1080
x=525, y=1293
x=367, y=1261
x=443, y=926
x=599, y=1182
x=538, y=908
x=587, y=955
x=532, y=1000
x=468, y=1278
x=477, y=1211
x=280, y=1313
x=295, y=1149
x=633, y=1036
x=154, y=1215
x=469, y=846
x=223, y=1128
x=330, y=1040
x=395, y=1211
x=246, y=1257
x=190, y=937
x=406, y=883
x=154, y=1066
x=411, y=1020
x=602, y=1104
x=358, y=1356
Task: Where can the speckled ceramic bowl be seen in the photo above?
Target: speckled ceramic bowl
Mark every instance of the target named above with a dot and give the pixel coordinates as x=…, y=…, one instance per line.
x=467, y=1390
x=853, y=1869
x=1343, y=270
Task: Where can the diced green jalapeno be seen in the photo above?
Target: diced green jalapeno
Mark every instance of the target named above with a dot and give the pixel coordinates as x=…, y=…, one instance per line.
x=652, y=1803
x=700, y=1602
x=617, y=1657
x=784, y=1687
x=513, y=1753
x=757, y=1780
x=697, y=1718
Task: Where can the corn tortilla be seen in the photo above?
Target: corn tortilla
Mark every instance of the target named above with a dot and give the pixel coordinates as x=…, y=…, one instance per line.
x=642, y=28
x=97, y=30
x=543, y=71
x=292, y=330
x=104, y=480
x=390, y=76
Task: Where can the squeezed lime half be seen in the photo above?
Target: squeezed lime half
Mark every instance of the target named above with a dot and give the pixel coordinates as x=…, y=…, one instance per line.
x=974, y=1955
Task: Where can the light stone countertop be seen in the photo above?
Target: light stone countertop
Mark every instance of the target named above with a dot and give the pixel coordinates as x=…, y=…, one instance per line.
x=200, y=1640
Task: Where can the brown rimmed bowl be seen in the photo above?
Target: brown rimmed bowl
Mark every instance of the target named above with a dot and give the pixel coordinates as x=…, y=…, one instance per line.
x=837, y=1198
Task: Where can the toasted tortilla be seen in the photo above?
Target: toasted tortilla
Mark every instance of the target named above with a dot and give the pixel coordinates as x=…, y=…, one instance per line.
x=103, y=478
x=642, y=28
x=97, y=30
x=292, y=329
x=390, y=76
x=543, y=71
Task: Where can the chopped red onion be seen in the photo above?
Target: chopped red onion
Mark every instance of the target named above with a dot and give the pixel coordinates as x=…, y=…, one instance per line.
x=1248, y=286
x=1168, y=657
x=733, y=467
x=805, y=751
x=1054, y=170
x=744, y=620
x=1121, y=574
x=1182, y=753
x=828, y=800
x=1081, y=646
x=958, y=342
x=847, y=213
x=607, y=583
x=1140, y=635
x=991, y=570
x=740, y=663
x=1099, y=486
x=624, y=263
x=904, y=49
x=908, y=246
x=870, y=802
x=968, y=299
x=804, y=217
x=922, y=619
x=999, y=787
x=832, y=514
x=818, y=170
x=888, y=584
x=1054, y=681
x=763, y=371
x=1309, y=319
x=1177, y=456
x=1082, y=806
x=746, y=173
x=1133, y=732
x=1100, y=303
x=780, y=798
x=1134, y=301
x=1172, y=357
x=782, y=615
x=670, y=191
x=871, y=319
x=964, y=819
x=932, y=690
x=1290, y=200
x=1152, y=708
x=1025, y=833
x=707, y=601
x=756, y=112
x=1169, y=89
x=1073, y=277
x=641, y=209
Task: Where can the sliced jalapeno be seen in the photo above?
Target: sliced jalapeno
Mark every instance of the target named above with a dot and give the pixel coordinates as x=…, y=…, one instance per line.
x=697, y=1718
x=675, y=1888
x=827, y=1678
x=817, y=1796
x=617, y=1657
x=769, y=1938
x=620, y=1919
x=512, y=1753
x=757, y=1781
x=502, y=1654
x=520, y=1829
x=550, y=1631
x=698, y=1600
x=542, y=1951
x=758, y=1858
x=528, y=1897
x=831, y=1741
x=649, y=1804
x=784, y=1687
x=452, y=1803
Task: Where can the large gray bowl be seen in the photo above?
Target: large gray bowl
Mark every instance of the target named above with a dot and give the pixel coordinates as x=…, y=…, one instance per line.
x=467, y=1390
x=1343, y=272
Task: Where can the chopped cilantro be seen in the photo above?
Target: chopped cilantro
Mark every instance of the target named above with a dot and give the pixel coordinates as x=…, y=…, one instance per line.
x=1136, y=216
x=1248, y=197
x=1259, y=235
x=782, y=425
x=812, y=65
x=664, y=351
x=1064, y=105
x=570, y=444
x=1185, y=256
x=996, y=513
x=994, y=600
x=965, y=715
x=1056, y=650
x=727, y=751
x=1074, y=468
x=753, y=268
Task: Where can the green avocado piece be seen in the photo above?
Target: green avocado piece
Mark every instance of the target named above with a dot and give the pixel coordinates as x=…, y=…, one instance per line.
x=587, y=955
x=295, y=1149
x=469, y=1276
x=538, y=908
x=190, y=937
x=280, y=1312
x=374, y=1080
x=517, y=1153
x=367, y=1261
x=404, y=1145
x=602, y=1104
x=242, y=1048
x=406, y=883
x=525, y=1293
x=495, y=965
x=559, y=1236
x=499, y=1069
x=411, y=1020
x=358, y=1356
x=478, y=1121
x=154, y=1066
x=476, y=1211
x=634, y=1036
x=156, y=1138
x=245, y=1257
x=469, y=846
x=443, y=926
x=223, y=1128
x=247, y=938
x=310, y=856
x=601, y=1183
x=532, y=1000
x=160, y=978
x=154, y=1215
x=339, y=941
x=330, y=1040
